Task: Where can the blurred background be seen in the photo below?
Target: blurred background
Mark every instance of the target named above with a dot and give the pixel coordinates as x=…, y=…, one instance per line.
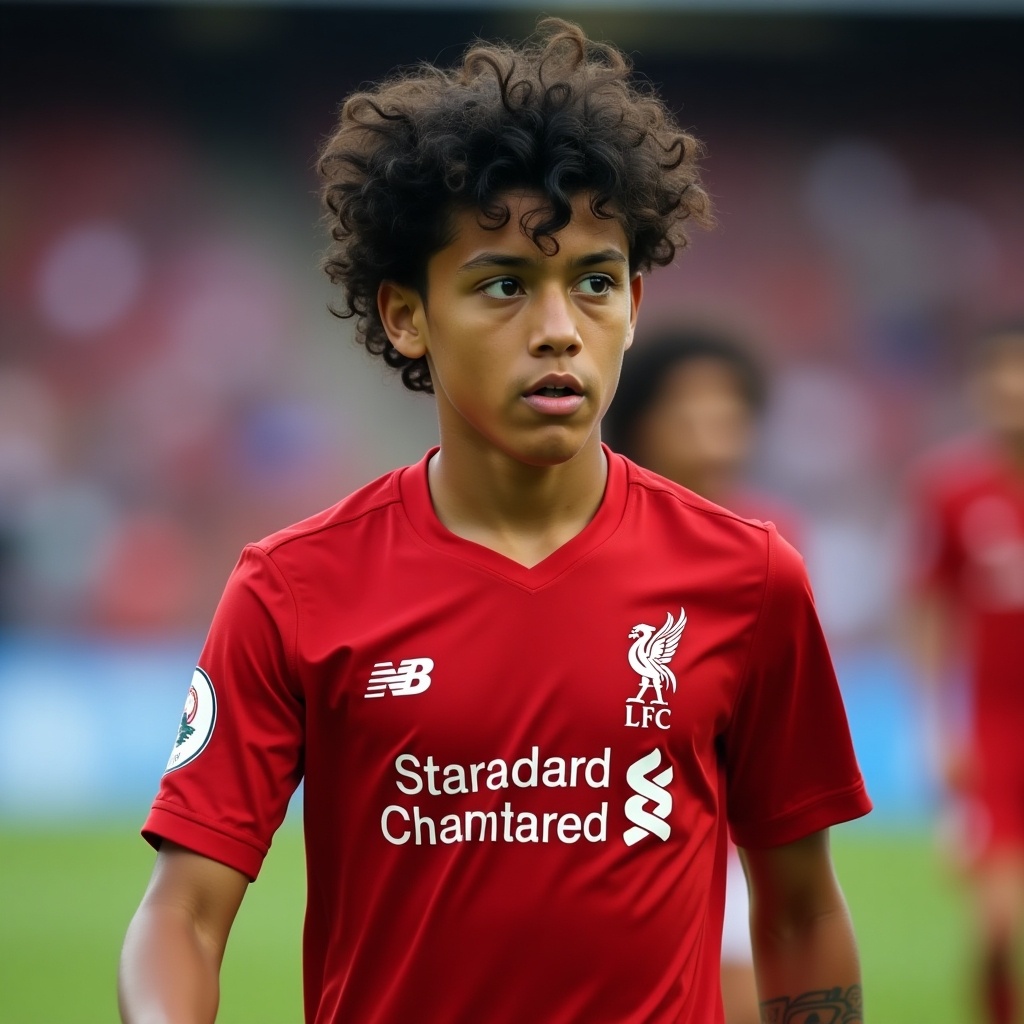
x=172, y=384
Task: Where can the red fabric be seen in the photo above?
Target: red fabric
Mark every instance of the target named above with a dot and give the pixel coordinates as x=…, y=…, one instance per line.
x=968, y=529
x=969, y=543
x=531, y=685
x=753, y=503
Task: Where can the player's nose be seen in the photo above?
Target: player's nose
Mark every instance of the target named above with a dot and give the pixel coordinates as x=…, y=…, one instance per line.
x=555, y=330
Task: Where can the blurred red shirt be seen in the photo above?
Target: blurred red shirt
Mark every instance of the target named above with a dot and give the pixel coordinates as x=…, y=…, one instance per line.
x=968, y=543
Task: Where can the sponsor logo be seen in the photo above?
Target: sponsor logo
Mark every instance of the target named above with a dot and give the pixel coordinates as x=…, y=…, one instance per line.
x=994, y=538
x=649, y=789
x=508, y=825
x=649, y=657
x=197, y=721
x=430, y=821
x=422, y=824
x=411, y=676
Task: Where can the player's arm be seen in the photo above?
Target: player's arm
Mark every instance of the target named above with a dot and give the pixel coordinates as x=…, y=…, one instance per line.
x=170, y=964
x=805, y=954
x=930, y=626
x=929, y=632
x=931, y=640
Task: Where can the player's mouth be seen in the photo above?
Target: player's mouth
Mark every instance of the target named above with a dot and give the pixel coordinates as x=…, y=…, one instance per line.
x=555, y=395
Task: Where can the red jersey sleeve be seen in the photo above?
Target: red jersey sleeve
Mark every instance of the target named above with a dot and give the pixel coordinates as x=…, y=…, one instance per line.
x=790, y=764
x=227, y=786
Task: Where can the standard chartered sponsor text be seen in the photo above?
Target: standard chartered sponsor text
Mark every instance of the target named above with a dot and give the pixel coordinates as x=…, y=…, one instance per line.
x=417, y=825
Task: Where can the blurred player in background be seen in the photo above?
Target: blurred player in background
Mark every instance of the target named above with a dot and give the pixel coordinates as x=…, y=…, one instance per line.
x=967, y=623
x=688, y=406
x=524, y=680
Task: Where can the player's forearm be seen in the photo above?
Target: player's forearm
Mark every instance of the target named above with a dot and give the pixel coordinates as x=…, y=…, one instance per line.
x=168, y=974
x=809, y=967
x=928, y=632
x=930, y=635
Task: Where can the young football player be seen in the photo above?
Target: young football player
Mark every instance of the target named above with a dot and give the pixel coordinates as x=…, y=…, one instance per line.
x=967, y=608
x=528, y=685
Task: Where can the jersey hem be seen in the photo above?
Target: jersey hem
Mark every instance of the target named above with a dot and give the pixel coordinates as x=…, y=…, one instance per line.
x=197, y=835
x=823, y=812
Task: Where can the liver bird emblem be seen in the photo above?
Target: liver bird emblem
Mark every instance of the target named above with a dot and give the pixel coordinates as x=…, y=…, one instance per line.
x=650, y=654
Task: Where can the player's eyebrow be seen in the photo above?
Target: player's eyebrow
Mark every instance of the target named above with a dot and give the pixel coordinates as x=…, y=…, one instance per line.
x=506, y=261
x=603, y=256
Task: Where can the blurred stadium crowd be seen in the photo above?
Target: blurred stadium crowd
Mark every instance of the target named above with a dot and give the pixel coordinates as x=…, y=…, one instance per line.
x=171, y=384
x=153, y=407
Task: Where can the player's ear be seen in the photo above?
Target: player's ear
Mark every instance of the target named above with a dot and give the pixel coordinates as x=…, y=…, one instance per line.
x=401, y=310
x=636, y=293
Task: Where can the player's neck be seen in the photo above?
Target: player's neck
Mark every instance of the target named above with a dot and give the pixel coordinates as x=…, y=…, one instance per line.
x=521, y=511
x=715, y=486
x=1012, y=447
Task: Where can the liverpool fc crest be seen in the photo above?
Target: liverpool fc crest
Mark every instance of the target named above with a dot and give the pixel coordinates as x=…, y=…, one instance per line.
x=649, y=657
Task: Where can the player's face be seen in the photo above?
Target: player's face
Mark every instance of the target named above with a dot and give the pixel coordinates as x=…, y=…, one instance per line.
x=698, y=430
x=1001, y=387
x=525, y=346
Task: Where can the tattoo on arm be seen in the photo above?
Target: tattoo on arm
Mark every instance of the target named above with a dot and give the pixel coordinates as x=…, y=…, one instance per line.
x=829, y=1006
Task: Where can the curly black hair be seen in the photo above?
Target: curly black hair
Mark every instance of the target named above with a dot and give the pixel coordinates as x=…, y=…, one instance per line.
x=559, y=115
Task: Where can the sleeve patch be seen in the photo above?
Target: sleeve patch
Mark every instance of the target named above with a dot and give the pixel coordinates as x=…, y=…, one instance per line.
x=197, y=721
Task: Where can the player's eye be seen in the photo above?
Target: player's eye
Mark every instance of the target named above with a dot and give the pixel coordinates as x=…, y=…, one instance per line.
x=596, y=284
x=502, y=288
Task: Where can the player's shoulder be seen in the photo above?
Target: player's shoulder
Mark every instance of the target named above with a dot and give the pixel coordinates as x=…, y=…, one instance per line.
x=718, y=533
x=333, y=523
x=736, y=544
x=955, y=467
x=671, y=500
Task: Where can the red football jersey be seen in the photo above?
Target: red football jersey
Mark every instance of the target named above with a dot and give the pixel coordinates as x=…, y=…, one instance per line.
x=969, y=533
x=753, y=503
x=517, y=780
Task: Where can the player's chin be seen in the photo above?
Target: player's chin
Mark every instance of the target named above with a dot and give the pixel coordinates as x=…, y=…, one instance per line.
x=555, y=446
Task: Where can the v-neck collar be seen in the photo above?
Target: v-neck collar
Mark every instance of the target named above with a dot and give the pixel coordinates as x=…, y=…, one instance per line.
x=415, y=494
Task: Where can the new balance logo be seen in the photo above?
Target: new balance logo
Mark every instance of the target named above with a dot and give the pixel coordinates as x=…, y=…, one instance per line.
x=648, y=789
x=411, y=676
